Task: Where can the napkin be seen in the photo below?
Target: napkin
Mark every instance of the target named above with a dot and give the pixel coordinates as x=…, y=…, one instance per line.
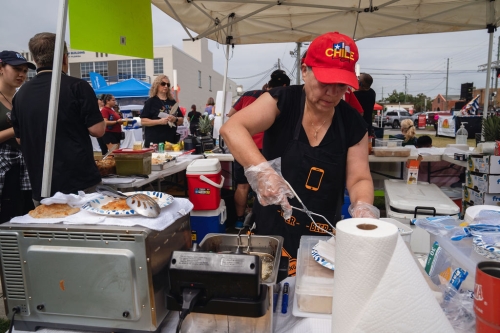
x=74, y=200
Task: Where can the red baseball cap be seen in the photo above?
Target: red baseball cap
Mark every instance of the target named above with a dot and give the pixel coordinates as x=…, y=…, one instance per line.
x=332, y=57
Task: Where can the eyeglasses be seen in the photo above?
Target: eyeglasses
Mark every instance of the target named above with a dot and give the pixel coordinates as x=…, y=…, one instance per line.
x=163, y=84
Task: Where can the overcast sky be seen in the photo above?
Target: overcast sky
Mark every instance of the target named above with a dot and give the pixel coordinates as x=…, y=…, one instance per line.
x=421, y=59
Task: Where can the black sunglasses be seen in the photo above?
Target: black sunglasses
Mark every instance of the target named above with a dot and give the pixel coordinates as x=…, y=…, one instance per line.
x=163, y=84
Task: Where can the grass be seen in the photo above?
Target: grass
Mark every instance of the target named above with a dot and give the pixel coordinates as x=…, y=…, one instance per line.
x=4, y=325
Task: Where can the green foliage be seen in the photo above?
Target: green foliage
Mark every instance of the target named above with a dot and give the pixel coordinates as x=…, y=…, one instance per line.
x=205, y=125
x=419, y=101
x=4, y=325
x=491, y=128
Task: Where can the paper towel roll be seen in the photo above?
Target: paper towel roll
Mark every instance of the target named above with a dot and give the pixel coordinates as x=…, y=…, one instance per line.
x=377, y=285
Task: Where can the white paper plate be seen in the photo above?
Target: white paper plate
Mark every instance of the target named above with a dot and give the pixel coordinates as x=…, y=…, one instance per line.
x=320, y=260
x=95, y=206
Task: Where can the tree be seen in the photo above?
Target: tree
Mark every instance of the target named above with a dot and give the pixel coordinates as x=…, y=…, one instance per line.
x=417, y=101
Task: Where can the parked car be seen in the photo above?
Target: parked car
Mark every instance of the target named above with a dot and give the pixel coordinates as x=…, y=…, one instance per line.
x=392, y=118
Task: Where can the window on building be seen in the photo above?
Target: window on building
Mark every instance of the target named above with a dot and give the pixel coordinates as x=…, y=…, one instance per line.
x=97, y=54
x=209, y=83
x=199, y=79
x=85, y=69
x=124, y=69
x=158, y=66
x=139, y=68
x=31, y=74
x=439, y=100
x=101, y=67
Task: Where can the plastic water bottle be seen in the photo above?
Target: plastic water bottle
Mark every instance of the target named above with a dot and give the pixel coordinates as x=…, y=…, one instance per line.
x=461, y=136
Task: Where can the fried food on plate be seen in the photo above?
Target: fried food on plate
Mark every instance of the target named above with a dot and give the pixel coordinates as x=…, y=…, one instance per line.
x=53, y=211
x=117, y=204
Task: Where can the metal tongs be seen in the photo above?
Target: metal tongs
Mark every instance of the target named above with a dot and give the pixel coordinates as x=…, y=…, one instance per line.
x=309, y=213
x=246, y=225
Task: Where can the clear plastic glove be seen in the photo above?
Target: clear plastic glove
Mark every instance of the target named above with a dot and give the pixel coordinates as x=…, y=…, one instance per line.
x=363, y=209
x=266, y=180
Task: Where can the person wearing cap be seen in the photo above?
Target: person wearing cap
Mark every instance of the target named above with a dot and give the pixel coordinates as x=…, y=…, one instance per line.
x=78, y=116
x=314, y=143
x=278, y=79
x=15, y=188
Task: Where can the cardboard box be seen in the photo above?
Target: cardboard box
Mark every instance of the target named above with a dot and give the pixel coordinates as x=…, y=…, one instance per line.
x=472, y=196
x=480, y=198
x=411, y=170
x=484, y=164
x=482, y=182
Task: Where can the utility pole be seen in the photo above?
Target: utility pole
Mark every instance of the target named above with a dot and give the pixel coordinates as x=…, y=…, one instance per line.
x=382, y=98
x=298, y=71
x=447, y=74
x=405, y=87
x=279, y=65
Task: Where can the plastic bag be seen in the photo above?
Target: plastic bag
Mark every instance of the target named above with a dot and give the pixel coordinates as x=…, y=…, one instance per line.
x=459, y=308
x=446, y=226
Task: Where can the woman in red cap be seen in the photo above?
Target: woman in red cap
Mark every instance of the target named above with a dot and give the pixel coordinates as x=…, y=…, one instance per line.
x=318, y=140
x=15, y=187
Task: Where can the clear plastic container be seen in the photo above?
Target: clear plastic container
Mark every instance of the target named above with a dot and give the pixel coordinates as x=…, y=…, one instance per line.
x=388, y=143
x=391, y=151
x=461, y=136
x=314, y=284
x=463, y=256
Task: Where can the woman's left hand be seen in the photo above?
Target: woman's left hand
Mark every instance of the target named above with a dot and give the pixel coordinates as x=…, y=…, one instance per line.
x=363, y=210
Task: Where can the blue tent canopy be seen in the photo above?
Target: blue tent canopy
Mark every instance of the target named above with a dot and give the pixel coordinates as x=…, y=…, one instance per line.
x=128, y=88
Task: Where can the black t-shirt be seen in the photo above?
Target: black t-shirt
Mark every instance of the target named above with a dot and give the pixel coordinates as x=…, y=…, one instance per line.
x=367, y=100
x=5, y=124
x=277, y=137
x=73, y=167
x=158, y=133
x=194, y=117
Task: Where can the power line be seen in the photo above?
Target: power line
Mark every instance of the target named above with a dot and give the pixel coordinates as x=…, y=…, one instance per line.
x=249, y=77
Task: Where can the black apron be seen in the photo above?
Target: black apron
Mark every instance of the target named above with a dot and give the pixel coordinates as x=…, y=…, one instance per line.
x=318, y=177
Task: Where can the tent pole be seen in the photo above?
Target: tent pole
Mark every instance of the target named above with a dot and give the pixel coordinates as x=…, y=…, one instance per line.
x=491, y=31
x=224, y=84
x=54, y=98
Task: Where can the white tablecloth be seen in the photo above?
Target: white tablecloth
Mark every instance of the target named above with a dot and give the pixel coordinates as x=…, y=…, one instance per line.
x=131, y=135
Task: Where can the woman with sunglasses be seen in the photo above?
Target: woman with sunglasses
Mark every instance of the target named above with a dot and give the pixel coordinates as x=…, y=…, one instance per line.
x=159, y=123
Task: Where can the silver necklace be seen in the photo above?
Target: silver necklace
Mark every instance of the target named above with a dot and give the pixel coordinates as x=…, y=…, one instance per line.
x=6, y=99
x=317, y=129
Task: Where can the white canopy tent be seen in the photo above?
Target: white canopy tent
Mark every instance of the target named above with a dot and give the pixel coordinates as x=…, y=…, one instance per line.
x=253, y=22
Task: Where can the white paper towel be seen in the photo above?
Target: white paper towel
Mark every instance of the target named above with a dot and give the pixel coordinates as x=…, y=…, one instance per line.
x=377, y=285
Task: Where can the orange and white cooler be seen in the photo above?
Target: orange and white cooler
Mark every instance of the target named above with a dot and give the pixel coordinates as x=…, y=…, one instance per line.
x=204, y=183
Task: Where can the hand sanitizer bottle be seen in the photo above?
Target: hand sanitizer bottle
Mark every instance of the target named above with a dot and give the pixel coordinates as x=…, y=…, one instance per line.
x=461, y=136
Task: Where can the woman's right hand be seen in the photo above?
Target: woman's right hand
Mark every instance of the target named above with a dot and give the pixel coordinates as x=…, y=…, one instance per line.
x=270, y=187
